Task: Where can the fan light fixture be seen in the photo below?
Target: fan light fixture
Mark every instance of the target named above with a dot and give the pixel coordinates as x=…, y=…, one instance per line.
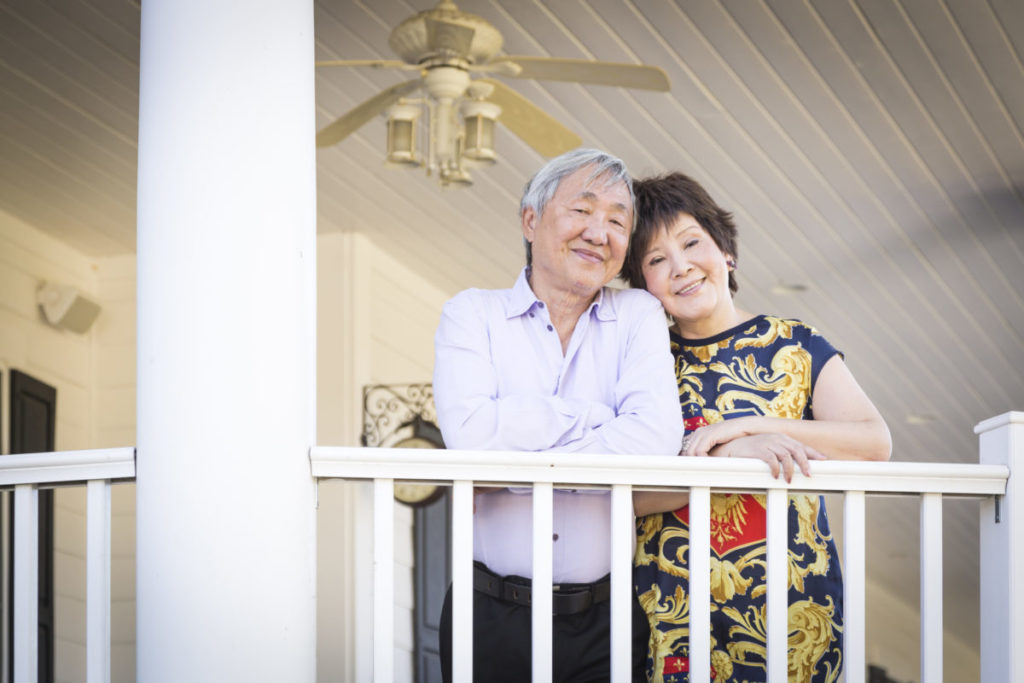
x=402, y=119
x=446, y=46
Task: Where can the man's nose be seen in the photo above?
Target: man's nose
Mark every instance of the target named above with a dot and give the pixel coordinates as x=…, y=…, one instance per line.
x=596, y=231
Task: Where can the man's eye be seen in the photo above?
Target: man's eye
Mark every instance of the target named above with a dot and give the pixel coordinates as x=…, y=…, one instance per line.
x=690, y=243
x=655, y=261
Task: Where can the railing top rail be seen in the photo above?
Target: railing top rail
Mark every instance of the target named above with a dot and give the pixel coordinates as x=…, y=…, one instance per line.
x=652, y=471
x=67, y=466
x=1014, y=417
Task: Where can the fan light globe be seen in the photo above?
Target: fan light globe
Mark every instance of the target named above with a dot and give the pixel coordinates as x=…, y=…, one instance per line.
x=402, y=134
x=479, y=118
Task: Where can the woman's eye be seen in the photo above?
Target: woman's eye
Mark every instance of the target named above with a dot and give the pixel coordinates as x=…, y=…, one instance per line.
x=690, y=243
x=655, y=260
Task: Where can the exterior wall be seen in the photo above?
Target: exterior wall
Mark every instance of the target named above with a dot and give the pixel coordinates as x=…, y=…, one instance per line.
x=64, y=360
x=115, y=426
x=376, y=326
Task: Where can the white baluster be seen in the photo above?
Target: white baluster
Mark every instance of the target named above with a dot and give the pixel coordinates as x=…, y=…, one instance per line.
x=854, y=588
x=931, y=588
x=97, y=595
x=26, y=582
x=383, y=580
x=623, y=541
x=778, y=585
x=462, y=582
x=541, y=603
x=700, y=584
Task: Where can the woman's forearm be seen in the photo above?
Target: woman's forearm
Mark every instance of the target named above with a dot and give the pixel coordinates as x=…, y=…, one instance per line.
x=838, y=440
x=649, y=502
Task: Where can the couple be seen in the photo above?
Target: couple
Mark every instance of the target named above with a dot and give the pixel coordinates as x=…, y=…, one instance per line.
x=562, y=363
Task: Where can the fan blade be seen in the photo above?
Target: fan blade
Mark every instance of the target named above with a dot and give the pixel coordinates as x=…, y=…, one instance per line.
x=584, y=71
x=375, y=63
x=347, y=124
x=447, y=37
x=532, y=124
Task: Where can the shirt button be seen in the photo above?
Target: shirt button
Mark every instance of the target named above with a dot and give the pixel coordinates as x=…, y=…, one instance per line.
x=540, y=304
x=531, y=314
x=554, y=537
x=550, y=328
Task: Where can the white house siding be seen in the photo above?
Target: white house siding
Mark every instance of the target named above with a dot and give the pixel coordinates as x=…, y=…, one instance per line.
x=64, y=360
x=376, y=326
x=115, y=419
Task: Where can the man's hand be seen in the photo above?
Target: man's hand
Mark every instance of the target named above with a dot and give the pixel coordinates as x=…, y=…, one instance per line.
x=782, y=453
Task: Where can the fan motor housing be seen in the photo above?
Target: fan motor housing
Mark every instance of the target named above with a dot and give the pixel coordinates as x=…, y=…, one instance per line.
x=410, y=40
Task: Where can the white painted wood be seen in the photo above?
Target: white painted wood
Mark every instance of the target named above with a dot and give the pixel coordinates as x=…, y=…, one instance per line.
x=226, y=400
x=5, y=584
x=383, y=579
x=97, y=655
x=931, y=588
x=777, y=603
x=700, y=584
x=623, y=541
x=1001, y=441
x=26, y=581
x=854, y=587
x=654, y=472
x=541, y=587
x=462, y=581
x=67, y=466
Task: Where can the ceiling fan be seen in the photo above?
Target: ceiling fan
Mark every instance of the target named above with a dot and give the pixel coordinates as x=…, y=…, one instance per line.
x=448, y=48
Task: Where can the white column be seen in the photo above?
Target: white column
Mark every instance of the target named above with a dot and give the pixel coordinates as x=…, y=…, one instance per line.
x=1001, y=442
x=226, y=537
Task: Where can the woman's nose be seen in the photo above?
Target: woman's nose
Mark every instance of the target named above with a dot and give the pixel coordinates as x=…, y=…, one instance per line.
x=680, y=265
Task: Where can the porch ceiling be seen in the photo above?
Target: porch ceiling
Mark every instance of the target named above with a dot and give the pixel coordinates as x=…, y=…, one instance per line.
x=872, y=151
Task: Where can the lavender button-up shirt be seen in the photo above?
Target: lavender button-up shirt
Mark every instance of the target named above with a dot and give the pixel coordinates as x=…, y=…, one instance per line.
x=501, y=382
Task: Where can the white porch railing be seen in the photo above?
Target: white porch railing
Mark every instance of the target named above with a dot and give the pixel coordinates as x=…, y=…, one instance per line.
x=1002, y=446
x=26, y=474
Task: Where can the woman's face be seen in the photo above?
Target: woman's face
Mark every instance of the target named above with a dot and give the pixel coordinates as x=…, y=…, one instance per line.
x=689, y=274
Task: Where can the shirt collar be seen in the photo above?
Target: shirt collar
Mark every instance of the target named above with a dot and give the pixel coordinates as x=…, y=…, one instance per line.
x=523, y=299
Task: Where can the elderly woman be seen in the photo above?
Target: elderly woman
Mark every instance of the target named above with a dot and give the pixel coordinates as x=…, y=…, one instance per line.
x=750, y=386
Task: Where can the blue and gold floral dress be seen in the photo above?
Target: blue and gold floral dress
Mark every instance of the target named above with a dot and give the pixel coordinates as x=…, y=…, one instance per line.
x=766, y=366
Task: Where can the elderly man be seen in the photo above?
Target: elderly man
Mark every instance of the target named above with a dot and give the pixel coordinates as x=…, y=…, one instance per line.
x=557, y=363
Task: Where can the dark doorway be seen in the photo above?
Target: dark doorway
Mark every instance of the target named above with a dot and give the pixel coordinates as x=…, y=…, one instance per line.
x=433, y=574
x=33, y=412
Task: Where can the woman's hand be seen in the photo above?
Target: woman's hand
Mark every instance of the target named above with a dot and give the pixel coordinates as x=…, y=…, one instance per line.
x=782, y=453
x=701, y=441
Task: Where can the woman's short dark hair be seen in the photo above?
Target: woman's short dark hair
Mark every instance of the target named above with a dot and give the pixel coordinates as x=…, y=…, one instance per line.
x=659, y=201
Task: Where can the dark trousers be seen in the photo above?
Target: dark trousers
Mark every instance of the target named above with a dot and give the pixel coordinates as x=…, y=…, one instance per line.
x=502, y=646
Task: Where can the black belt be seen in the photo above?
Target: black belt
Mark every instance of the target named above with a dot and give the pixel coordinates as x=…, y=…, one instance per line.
x=571, y=599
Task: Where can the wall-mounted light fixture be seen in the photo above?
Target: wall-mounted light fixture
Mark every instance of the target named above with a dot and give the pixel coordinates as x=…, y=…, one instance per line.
x=65, y=307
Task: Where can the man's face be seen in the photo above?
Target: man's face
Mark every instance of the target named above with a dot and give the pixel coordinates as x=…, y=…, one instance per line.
x=579, y=242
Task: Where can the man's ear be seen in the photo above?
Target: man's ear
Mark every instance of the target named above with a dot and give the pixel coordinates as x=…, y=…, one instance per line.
x=529, y=222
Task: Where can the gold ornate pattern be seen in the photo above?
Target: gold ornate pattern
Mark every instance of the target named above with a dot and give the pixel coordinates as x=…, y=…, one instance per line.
x=766, y=366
